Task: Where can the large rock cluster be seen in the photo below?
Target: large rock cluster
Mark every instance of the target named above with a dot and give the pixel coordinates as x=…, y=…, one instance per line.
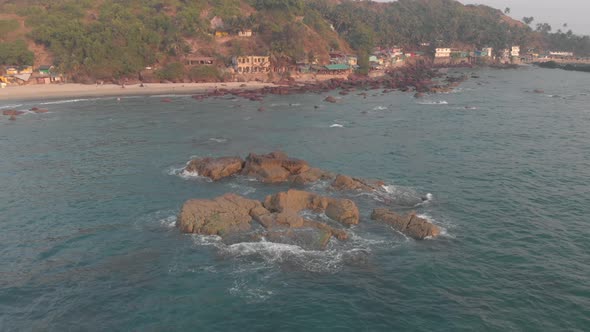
x=279, y=216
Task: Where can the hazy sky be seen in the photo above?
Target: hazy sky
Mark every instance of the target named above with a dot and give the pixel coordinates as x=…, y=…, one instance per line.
x=555, y=12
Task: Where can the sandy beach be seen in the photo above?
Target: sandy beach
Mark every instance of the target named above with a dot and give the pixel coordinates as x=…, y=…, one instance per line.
x=53, y=91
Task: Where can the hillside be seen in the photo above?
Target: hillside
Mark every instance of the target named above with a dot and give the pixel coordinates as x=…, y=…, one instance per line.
x=118, y=38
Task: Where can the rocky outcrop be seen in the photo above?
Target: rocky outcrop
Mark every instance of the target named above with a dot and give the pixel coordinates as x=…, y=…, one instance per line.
x=215, y=168
x=344, y=211
x=274, y=167
x=312, y=175
x=344, y=182
x=223, y=215
x=410, y=224
x=12, y=112
x=230, y=216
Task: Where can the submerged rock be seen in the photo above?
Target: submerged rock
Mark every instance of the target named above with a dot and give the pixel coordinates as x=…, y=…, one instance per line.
x=215, y=168
x=12, y=112
x=221, y=216
x=344, y=211
x=410, y=224
x=330, y=99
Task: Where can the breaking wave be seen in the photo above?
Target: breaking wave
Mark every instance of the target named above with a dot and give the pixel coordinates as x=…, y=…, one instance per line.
x=10, y=106
x=336, y=125
x=433, y=102
x=218, y=139
x=184, y=174
x=68, y=101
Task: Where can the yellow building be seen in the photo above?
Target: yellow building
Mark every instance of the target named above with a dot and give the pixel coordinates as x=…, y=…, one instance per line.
x=221, y=34
x=251, y=64
x=11, y=71
x=26, y=70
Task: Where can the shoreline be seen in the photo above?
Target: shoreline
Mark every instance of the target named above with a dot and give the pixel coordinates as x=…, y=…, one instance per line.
x=75, y=90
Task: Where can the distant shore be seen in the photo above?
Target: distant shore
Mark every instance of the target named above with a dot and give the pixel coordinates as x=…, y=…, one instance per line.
x=72, y=90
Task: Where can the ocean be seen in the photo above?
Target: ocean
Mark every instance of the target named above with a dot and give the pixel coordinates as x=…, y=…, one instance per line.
x=90, y=192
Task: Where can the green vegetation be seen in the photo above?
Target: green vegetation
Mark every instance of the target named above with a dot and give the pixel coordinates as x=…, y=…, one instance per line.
x=7, y=26
x=118, y=38
x=205, y=74
x=171, y=72
x=15, y=53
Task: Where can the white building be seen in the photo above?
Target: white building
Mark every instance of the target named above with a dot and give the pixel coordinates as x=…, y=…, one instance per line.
x=487, y=51
x=515, y=51
x=442, y=53
x=562, y=54
x=245, y=33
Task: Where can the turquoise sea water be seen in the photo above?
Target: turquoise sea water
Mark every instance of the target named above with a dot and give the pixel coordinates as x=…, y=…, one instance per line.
x=89, y=194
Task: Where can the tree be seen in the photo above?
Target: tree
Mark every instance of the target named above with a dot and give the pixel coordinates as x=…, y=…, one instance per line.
x=16, y=53
x=543, y=28
x=528, y=20
x=507, y=10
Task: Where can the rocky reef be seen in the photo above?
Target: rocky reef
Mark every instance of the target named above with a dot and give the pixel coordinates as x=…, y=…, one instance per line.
x=231, y=215
x=282, y=217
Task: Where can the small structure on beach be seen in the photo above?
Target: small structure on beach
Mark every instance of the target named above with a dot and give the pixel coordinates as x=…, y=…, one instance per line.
x=45, y=70
x=338, y=69
x=199, y=61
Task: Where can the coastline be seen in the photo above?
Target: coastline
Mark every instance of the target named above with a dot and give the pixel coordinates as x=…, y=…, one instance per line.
x=74, y=90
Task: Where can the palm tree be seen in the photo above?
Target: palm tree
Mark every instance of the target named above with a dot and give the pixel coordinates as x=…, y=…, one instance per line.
x=507, y=10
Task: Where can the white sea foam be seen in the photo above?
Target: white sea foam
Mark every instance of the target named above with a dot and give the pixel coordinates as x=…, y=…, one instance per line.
x=187, y=175
x=218, y=139
x=379, y=108
x=68, y=101
x=443, y=227
x=336, y=125
x=10, y=106
x=255, y=294
x=169, y=221
x=433, y=102
x=327, y=261
x=242, y=189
